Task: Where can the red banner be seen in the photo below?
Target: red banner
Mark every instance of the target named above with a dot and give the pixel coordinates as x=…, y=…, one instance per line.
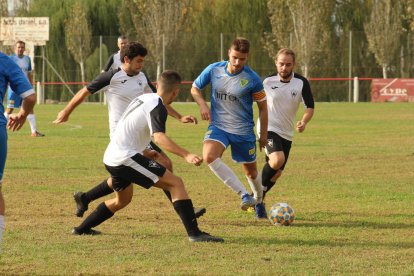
x=392, y=90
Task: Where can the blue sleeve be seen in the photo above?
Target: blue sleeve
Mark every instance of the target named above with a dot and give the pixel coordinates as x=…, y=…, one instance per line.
x=257, y=84
x=204, y=78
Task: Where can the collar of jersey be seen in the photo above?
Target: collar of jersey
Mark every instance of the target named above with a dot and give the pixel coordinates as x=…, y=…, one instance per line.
x=293, y=74
x=230, y=74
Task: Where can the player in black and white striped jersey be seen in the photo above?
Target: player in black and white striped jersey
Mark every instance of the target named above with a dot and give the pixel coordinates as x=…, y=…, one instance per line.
x=114, y=61
x=129, y=161
x=285, y=90
x=123, y=85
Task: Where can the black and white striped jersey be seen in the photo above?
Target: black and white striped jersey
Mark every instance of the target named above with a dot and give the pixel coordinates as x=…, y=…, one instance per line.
x=283, y=99
x=121, y=90
x=114, y=61
x=145, y=116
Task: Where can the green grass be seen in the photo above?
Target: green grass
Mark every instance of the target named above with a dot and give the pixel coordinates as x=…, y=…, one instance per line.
x=350, y=179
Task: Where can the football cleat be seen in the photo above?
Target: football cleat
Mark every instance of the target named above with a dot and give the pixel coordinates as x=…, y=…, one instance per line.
x=37, y=134
x=261, y=211
x=247, y=201
x=205, y=237
x=89, y=232
x=81, y=207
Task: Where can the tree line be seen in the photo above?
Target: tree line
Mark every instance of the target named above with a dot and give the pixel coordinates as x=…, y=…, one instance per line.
x=332, y=38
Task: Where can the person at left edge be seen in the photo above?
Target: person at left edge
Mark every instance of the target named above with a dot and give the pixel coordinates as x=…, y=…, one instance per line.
x=11, y=74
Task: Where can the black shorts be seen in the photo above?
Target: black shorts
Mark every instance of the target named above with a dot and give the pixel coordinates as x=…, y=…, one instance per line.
x=140, y=170
x=277, y=143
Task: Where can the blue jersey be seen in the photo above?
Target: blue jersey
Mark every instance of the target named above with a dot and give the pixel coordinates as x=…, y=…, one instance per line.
x=25, y=64
x=11, y=74
x=232, y=96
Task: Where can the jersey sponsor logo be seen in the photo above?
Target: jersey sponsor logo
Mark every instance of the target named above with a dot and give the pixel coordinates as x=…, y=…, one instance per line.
x=123, y=81
x=224, y=96
x=153, y=164
x=274, y=87
x=243, y=82
x=294, y=93
x=219, y=77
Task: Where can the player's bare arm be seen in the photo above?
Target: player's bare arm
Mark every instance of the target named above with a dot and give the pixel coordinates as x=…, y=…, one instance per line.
x=184, y=119
x=204, y=109
x=16, y=121
x=63, y=116
x=263, y=117
x=169, y=145
x=307, y=116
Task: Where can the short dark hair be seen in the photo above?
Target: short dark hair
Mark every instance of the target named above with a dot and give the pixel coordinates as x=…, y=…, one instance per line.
x=20, y=42
x=168, y=80
x=133, y=49
x=286, y=51
x=122, y=37
x=240, y=44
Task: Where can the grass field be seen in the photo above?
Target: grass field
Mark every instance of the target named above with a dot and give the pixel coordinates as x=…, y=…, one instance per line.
x=350, y=179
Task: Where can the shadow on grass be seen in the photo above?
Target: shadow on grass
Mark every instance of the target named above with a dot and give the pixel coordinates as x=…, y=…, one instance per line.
x=354, y=224
x=325, y=243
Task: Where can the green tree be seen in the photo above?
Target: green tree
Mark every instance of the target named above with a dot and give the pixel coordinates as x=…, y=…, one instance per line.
x=383, y=31
x=78, y=36
x=310, y=28
x=4, y=8
x=158, y=22
x=4, y=12
x=407, y=38
x=281, y=27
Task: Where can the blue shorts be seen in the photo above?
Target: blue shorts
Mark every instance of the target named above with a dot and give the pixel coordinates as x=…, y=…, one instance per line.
x=243, y=147
x=3, y=150
x=13, y=100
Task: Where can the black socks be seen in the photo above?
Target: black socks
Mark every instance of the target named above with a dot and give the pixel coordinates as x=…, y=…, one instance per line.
x=98, y=216
x=185, y=210
x=267, y=174
x=96, y=192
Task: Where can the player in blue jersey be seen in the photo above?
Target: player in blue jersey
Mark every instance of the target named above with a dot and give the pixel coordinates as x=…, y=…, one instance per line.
x=234, y=88
x=10, y=74
x=285, y=91
x=13, y=99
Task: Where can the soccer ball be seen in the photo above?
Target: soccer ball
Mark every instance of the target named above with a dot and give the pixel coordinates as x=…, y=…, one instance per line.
x=281, y=214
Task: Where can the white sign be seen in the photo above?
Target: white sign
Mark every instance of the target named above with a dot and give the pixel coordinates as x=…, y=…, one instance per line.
x=33, y=29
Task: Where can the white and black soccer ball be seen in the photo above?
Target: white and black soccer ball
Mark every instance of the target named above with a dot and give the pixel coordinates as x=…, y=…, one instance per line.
x=281, y=214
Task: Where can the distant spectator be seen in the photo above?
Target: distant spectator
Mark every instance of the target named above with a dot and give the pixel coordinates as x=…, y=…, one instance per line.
x=13, y=99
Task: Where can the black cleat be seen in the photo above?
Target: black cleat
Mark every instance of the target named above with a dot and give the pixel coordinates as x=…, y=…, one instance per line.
x=81, y=207
x=199, y=212
x=205, y=237
x=90, y=232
